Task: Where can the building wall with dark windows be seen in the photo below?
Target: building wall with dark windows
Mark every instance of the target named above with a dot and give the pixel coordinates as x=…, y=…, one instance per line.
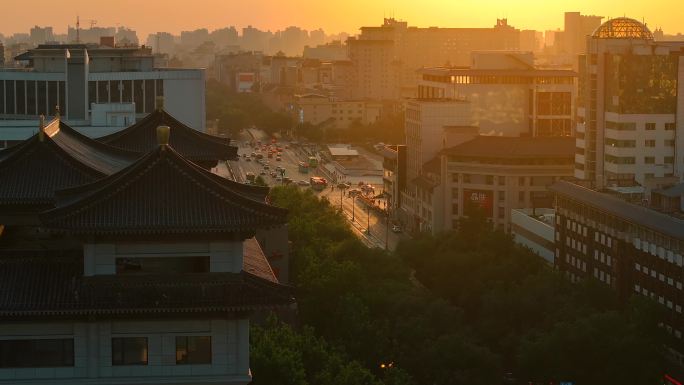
x=632, y=249
x=126, y=351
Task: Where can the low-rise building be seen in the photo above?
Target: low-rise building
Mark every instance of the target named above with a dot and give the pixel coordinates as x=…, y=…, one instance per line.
x=533, y=228
x=87, y=81
x=494, y=174
x=326, y=112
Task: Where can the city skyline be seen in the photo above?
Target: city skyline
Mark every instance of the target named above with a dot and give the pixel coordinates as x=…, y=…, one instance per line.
x=310, y=15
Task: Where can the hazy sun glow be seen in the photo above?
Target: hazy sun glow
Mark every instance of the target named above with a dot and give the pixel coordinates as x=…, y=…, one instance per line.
x=342, y=16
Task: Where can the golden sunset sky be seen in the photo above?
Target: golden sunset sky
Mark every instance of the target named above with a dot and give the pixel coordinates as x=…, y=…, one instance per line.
x=147, y=16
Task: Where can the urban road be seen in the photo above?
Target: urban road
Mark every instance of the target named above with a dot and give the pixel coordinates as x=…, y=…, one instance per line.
x=369, y=225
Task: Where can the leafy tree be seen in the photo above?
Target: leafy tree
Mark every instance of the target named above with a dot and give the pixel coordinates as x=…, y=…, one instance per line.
x=482, y=306
x=280, y=355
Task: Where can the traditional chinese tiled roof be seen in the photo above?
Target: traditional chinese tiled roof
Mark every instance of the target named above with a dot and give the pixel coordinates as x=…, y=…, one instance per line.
x=254, y=261
x=161, y=193
x=55, y=287
x=197, y=146
x=32, y=171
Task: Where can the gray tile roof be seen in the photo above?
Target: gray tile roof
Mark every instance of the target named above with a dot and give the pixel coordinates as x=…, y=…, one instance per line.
x=162, y=193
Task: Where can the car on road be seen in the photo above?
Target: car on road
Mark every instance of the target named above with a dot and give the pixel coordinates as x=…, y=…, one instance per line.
x=278, y=159
x=303, y=183
x=266, y=167
x=274, y=174
x=354, y=192
x=396, y=229
x=262, y=173
x=248, y=159
x=287, y=180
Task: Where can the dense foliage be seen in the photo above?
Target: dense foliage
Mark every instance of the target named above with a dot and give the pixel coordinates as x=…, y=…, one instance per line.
x=462, y=308
x=236, y=111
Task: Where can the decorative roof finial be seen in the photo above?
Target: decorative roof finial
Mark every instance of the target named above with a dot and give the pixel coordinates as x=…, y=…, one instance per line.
x=163, y=134
x=160, y=103
x=58, y=113
x=41, y=128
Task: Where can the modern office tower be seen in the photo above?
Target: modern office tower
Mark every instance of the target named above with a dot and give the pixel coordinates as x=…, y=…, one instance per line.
x=630, y=91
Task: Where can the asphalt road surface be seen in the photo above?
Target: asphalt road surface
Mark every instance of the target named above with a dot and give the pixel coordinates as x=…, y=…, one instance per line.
x=355, y=211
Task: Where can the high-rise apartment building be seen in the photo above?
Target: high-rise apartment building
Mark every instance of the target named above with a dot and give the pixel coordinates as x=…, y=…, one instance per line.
x=377, y=69
x=41, y=35
x=577, y=28
x=395, y=50
x=630, y=91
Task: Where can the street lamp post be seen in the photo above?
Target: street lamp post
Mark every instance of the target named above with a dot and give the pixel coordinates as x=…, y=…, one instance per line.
x=368, y=219
x=353, y=207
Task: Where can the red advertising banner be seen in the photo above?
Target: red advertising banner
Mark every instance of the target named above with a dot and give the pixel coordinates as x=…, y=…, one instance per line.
x=480, y=198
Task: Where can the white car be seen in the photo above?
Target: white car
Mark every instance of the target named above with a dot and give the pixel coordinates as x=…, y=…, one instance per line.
x=304, y=183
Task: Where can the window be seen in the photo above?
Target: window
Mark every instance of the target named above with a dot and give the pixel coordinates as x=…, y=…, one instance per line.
x=502, y=212
x=502, y=180
x=649, y=160
x=37, y=353
x=669, y=159
x=502, y=196
x=162, y=265
x=650, y=126
x=669, y=142
x=669, y=126
x=521, y=197
x=650, y=142
x=193, y=350
x=490, y=179
x=129, y=351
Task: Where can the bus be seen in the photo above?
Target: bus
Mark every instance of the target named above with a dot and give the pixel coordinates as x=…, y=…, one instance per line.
x=318, y=183
x=313, y=162
x=303, y=168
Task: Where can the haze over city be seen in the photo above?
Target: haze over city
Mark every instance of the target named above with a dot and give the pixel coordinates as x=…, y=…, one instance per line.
x=177, y=15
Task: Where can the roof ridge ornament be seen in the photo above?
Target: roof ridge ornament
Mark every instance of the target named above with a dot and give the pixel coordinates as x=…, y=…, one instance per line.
x=163, y=134
x=41, y=128
x=160, y=103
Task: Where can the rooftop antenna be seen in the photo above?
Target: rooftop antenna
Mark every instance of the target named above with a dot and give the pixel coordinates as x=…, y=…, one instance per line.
x=78, y=29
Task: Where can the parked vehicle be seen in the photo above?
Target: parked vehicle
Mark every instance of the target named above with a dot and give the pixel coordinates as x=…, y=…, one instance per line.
x=396, y=229
x=303, y=183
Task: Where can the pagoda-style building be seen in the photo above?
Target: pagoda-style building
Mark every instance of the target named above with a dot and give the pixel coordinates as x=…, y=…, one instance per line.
x=162, y=286
x=198, y=147
x=56, y=157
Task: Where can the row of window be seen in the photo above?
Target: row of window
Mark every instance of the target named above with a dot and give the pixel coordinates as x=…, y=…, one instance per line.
x=662, y=300
x=660, y=276
x=31, y=97
x=190, y=350
x=142, y=92
x=632, y=126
